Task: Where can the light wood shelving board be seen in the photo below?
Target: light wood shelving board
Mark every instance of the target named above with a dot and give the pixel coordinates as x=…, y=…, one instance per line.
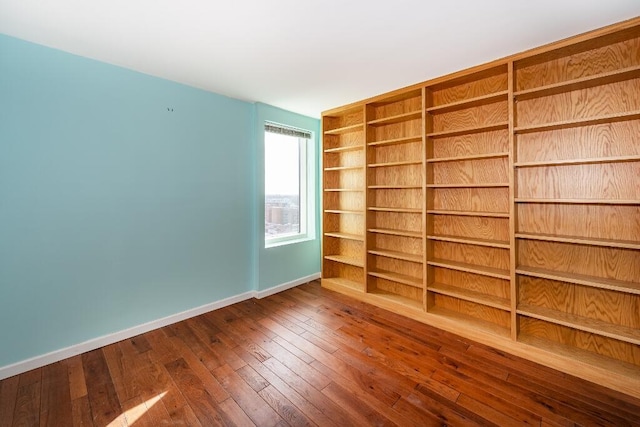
x=501, y=203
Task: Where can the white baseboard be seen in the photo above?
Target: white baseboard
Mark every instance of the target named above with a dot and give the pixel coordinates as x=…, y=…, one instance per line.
x=285, y=286
x=92, y=344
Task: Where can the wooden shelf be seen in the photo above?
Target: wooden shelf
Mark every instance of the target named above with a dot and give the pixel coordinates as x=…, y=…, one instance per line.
x=471, y=241
x=399, y=210
x=343, y=168
x=580, y=201
x=470, y=213
x=329, y=190
x=580, y=279
x=345, y=148
x=618, y=367
x=580, y=83
x=345, y=283
x=469, y=157
x=345, y=129
x=344, y=260
x=397, y=277
x=391, y=187
x=472, y=296
x=471, y=185
x=396, y=119
x=469, y=130
x=347, y=236
x=565, y=124
x=585, y=324
x=470, y=322
x=608, y=243
x=468, y=103
x=397, y=255
x=389, y=231
x=471, y=268
x=341, y=211
x=397, y=299
x=390, y=164
x=580, y=161
x=395, y=141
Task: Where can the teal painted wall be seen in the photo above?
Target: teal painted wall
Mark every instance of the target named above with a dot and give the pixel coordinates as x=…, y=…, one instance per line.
x=282, y=264
x=114, y=211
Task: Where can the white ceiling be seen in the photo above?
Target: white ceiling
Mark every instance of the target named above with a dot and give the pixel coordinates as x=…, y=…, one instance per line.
x=302, y=55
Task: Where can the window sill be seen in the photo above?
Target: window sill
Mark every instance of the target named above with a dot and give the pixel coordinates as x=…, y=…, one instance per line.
x=289, y=241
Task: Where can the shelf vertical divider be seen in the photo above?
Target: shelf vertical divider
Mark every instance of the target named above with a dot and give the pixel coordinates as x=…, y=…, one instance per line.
x=512, y=205
x=321, y=188
x=427, y=202
x=365, y=206
x=424, y=199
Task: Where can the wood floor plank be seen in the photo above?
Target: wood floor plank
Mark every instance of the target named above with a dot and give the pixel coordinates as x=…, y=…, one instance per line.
x=81, y=412
x=252, y=378
x=77, y=381
x=55, y=401
x=178, y=408
x=305, y=356
x=26, y=410
x=323, y=403
x=364, y=414
x=235, y=413
x=313, y=411
x=284, y=407
x=251, y=403
x=105, y=406
x=205, y=377
x=201, y=402
x=8, y=394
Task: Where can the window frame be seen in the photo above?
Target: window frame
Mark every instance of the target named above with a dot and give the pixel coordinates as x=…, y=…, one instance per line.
x=306, y=189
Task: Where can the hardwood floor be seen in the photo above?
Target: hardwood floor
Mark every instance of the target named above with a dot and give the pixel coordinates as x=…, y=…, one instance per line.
x=306, y=356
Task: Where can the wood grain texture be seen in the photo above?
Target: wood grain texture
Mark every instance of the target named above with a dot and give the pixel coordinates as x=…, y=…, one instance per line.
x=409, y=102
x=394, y=153
x=598, y=57
x=410, y=245
x=471, y=117
x=384, y=132
x=466, y=145
x=616, y=308
x=378, y=285
x=580, y=104
x=472, y=282
x=395, y=220
x=351, y=224
x=406, y=198
x=610, y=181
x=478, y=311
x=590, y=221
x=470, y=87
x=473, y=227
x=471, y=171
x=396, y=175
x=381, y=263
x=607, y=347
x=605, y=140
x=471, y=199
x=472, y=254
x=347, y=118
x=620, y=264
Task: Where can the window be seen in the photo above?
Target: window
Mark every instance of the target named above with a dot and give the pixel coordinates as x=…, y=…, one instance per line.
x=287, y=184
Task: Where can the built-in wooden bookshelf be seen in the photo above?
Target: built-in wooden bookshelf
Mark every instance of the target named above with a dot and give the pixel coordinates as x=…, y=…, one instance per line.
x=501, y=203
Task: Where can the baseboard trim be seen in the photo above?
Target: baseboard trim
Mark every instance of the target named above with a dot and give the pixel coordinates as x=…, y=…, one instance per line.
x=92, y=344
x=285, y=286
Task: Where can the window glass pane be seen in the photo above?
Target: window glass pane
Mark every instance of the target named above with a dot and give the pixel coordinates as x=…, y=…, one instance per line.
x=282, y=185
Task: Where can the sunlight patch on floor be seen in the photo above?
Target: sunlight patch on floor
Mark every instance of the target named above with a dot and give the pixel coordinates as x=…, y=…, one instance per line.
x=130, y=416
